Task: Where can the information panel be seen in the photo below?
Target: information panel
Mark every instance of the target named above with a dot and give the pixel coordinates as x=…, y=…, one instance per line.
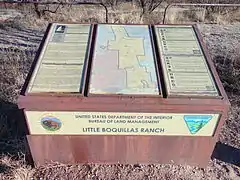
x=184, y=65
x=116, y=123
x=123, y=61
x=62, y=59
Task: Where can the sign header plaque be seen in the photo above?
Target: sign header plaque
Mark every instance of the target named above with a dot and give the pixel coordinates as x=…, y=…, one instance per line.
x=113, y=123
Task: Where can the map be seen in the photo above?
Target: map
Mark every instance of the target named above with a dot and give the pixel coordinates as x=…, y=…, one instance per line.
x=123, y=61
x=61, y=62
x=185, y=68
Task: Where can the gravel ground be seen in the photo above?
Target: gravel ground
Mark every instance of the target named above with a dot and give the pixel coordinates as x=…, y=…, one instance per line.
x=18, y=44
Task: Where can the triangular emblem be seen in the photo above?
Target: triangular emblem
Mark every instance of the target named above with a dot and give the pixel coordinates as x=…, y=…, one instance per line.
x=60, y=29
x=196, y=122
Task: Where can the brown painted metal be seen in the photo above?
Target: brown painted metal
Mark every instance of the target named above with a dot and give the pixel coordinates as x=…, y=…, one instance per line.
x=124, y=149
x=101, y=149
x=121, y=149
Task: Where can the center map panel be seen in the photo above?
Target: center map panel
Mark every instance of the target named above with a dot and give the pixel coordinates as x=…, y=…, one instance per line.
x=123, y=61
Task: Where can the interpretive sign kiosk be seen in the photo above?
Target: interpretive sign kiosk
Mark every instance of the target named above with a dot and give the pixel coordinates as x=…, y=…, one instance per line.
x=108, y=93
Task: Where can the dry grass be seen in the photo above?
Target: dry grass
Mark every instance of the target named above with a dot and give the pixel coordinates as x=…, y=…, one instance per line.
x=202, y=15
x=228, y=67
x=15, y=169
x=13, y=66
x=19, y=40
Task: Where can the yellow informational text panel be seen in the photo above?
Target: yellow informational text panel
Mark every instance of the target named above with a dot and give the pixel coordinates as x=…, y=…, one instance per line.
x=61, y=62
x=121, y=123
x=185, y=68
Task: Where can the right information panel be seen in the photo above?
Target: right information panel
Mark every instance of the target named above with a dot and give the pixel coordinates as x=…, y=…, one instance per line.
x=185, y=69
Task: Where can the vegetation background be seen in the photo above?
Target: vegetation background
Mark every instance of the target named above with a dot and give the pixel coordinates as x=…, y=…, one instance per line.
x=21, y=30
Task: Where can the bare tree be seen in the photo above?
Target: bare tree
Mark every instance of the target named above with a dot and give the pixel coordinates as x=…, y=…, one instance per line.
x=46, y=8
x=148, y=6
x=111, y=3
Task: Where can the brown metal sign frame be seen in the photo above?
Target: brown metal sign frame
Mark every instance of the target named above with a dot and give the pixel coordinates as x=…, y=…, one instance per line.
x=126, y=148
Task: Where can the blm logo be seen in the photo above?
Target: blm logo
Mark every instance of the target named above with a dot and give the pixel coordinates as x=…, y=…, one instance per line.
x=196, y=122
x=60, y=29
x=59, y=33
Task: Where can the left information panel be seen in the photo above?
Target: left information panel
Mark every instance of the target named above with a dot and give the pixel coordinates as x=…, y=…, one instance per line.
x=62, y=60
